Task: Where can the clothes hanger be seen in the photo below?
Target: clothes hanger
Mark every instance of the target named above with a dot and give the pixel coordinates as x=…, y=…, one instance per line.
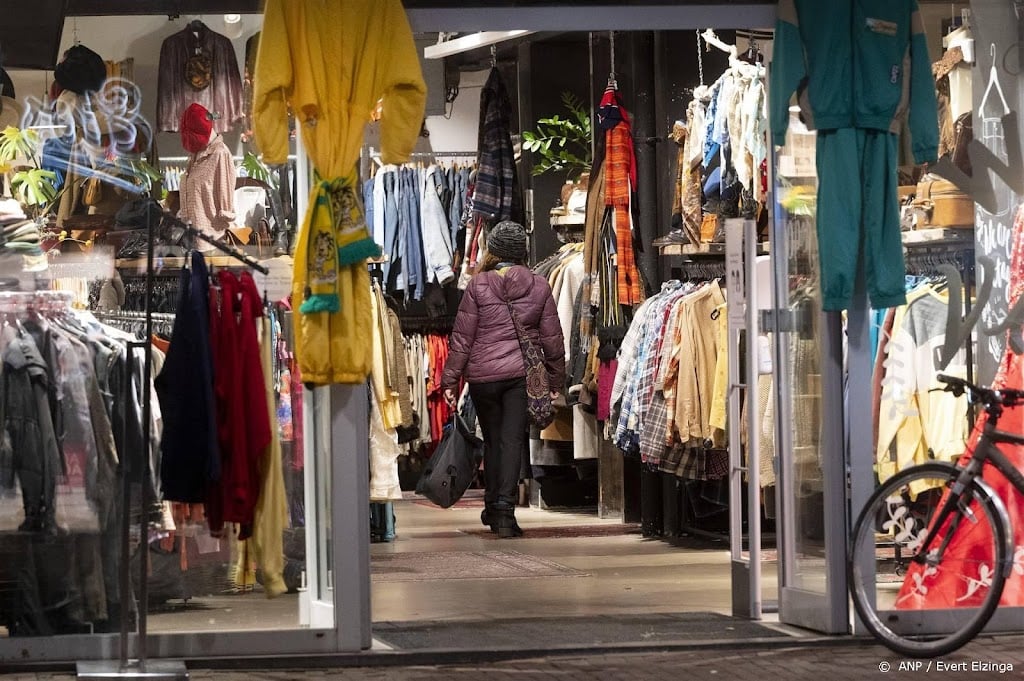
x=993, y=82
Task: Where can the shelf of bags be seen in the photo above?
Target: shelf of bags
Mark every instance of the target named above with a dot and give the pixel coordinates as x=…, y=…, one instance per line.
x=692, y=249
x=763, y=248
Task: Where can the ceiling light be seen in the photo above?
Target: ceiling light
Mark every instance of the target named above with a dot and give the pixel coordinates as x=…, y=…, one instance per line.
x=232, y=18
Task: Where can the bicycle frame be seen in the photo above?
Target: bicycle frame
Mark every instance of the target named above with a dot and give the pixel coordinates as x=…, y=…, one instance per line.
x=985, y=452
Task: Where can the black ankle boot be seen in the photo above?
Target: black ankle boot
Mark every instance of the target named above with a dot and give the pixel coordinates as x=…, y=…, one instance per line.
x=503, y=517
x=488, y=517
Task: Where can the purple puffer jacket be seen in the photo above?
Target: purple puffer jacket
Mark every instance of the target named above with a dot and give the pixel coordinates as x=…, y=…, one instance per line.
x=484, y=346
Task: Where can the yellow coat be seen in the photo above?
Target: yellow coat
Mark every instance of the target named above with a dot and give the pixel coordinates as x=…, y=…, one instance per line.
x=331, y=62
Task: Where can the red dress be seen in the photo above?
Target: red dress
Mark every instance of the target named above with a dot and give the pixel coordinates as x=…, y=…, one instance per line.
x=243, y=422
x=938, y=588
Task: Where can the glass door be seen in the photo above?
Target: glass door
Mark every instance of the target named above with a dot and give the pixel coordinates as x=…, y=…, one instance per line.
x=809, y=372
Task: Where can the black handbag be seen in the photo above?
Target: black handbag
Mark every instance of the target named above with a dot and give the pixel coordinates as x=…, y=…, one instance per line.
x=450, y=471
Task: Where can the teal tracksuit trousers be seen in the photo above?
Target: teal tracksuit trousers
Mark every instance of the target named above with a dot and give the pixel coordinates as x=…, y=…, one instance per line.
x=858, y=217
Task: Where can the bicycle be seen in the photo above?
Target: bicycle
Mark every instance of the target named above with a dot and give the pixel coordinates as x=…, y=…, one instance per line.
x=931, y=526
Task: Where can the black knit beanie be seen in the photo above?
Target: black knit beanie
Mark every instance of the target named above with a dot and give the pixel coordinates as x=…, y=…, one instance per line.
x=81, y=70
x=507, y=241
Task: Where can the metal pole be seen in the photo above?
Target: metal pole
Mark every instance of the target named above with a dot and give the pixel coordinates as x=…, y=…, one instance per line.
x=147, y=412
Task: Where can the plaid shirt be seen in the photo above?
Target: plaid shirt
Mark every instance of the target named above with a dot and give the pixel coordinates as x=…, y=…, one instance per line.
x=623, y=390
x=628, y=351
x=496, y=194
x=640, y=384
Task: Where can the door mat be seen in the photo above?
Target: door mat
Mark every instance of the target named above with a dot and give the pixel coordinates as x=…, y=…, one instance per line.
x=542, y=633
x=429, y=566
x=565, y=531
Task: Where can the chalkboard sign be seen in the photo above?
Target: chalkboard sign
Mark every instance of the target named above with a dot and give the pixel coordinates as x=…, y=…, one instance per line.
x=995, y=25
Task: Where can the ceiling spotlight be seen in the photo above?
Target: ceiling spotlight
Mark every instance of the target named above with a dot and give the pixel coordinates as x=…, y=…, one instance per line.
x=232, y=18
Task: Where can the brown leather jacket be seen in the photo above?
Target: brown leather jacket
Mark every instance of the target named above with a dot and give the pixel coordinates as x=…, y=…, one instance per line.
x=484, y=346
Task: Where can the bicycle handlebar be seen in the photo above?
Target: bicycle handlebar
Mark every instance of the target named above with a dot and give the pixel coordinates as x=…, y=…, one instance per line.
x=1007, y=397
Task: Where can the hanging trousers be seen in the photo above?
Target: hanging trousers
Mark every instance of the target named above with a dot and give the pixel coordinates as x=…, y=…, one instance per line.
x=501, y=409
x=858, y=217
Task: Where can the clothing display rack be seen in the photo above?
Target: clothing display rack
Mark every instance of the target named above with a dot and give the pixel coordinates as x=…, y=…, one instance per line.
x=372, y=155
x=139, y=666
x=700, y=269
x=926, y=259
x=133, y=319
x=375, y=154
x=421, y=324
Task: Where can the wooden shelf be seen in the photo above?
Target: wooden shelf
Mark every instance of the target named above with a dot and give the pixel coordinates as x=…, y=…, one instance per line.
x=939, y=236
x=705, y=249
x=579, y=220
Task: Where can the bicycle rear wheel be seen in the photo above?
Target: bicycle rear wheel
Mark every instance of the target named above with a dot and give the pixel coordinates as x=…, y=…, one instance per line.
x=929, y=607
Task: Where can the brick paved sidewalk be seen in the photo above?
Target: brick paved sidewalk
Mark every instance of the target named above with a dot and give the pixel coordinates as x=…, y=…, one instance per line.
x=986, y=658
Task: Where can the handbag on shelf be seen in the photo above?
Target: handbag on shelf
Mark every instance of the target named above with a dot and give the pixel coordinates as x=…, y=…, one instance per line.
x=451, y=469
x=538, y=388
x=940, y=203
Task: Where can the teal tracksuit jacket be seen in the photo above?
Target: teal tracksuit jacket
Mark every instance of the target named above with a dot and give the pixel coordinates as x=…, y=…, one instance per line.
x=860, y=68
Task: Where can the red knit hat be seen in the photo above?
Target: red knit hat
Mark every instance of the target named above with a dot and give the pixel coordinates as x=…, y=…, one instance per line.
x=196, y=127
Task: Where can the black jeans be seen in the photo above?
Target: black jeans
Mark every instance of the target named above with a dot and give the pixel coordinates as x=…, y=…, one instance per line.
x=501, y=408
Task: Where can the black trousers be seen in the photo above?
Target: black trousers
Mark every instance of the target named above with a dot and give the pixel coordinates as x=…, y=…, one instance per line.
x=501, y=408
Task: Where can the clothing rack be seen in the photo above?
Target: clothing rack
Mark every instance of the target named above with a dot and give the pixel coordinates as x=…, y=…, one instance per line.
x=133, y=321
x=699, y=269
x=926, y=259
x=421, y=324
x=375, y=154
x=131, y=315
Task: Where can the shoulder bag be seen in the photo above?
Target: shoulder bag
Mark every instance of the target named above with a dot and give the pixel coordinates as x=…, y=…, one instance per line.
x=538, y=388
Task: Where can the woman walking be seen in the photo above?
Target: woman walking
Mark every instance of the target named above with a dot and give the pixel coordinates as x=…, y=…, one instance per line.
x=485, y=351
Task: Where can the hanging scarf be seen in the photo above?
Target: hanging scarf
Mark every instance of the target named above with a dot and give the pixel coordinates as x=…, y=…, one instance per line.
x=620, y=180
x=338, y=238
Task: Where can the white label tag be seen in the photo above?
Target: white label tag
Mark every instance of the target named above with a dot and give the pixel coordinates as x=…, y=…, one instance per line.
x=278, y=283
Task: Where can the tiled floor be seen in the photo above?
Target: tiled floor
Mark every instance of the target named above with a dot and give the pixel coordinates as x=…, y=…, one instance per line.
x=586, y=575
x=621, y=574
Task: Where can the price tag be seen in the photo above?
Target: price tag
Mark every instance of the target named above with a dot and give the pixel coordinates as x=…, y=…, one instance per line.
x=278, y=282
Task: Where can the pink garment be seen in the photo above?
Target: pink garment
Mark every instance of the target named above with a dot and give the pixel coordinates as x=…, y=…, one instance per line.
x=298, y=449
x=605, y=379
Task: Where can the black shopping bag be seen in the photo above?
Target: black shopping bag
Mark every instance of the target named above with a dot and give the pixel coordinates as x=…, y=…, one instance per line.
x=451, y=469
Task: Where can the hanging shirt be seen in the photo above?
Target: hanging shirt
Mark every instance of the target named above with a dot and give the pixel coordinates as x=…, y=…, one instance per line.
x=198, y=69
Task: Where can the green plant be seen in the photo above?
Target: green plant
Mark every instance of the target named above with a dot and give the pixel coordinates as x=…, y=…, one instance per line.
x=255, y=168
x=562, y=144
x=32, y=186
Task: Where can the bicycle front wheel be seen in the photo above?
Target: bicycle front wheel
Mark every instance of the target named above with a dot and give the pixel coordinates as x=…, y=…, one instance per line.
x=924, y=601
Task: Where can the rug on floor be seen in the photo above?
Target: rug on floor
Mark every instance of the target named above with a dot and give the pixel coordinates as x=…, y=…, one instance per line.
x=539, y=633
x=564, y=531
x=415, y=566
x=471, y=502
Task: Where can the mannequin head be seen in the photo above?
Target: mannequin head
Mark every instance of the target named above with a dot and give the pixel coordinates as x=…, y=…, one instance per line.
x=196, y=128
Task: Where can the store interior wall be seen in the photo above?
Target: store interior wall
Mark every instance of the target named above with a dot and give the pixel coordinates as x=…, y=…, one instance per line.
x=139, y=38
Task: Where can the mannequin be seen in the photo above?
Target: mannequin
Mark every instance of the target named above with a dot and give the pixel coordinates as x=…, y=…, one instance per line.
x=208, y=185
